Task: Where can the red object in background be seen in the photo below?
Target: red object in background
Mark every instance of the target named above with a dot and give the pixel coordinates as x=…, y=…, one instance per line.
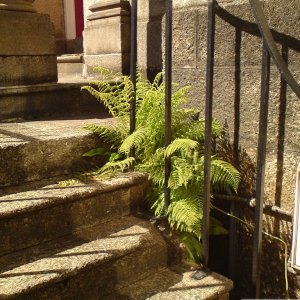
x=79, y=17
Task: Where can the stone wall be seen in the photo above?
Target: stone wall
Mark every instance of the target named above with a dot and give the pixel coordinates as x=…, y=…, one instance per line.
x=237, y=95
x=55, y=9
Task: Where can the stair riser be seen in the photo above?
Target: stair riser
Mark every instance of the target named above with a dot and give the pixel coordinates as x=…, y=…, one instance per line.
x=70, y=68
x=100, y=280
x=32, y=228
x=38, y=160
x=48, y=100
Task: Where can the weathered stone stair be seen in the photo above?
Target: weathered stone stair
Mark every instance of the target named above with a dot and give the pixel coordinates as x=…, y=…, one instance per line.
x=82, y=240
x=43, y=149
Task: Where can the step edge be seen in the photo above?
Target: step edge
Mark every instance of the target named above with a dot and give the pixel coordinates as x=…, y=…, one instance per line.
x=113, y=184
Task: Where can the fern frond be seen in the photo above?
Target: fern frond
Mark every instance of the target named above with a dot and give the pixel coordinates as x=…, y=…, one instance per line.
x=224, y=176
x=185, y=215
x=109, y=133
x=158, y=205
x=158, y=80
x=107, y=74
x=193, y=247
x=185, y=146
x=120, y=165
x=155, y=166
x=105, y=98
x=134, y=140
x=182, y=173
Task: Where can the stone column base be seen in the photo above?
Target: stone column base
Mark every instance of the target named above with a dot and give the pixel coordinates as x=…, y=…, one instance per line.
x=27, y=48
x=107, y=36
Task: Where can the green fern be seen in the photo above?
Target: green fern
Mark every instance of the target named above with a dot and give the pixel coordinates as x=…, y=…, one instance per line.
x=186, y=150
x=112, y=134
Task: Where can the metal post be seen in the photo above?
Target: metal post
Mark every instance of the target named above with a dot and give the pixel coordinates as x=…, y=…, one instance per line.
x=261, y=159
x=233, y=228
x=133, y=62
x=168, y=95
x=208, y=127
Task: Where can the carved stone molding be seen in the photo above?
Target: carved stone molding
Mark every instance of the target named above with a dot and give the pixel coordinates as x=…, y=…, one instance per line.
x=17, y=5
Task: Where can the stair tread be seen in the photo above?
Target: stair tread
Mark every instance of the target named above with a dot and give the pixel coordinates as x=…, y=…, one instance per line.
x=64, y=257
x=172, y=284
x=14, y=134
x=31, y=151
x=39, y=197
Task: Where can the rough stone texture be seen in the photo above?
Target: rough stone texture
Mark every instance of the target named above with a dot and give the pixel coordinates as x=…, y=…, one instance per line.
x=41, y=149
x=150, y=36
x=32, y=27
x=71, y=64
x=110, y=24
x=175, y=285
x=87, y=12
x=86, y=265
x=29, y=62
x=17, y=5
x=49, y=100
x=113, y=30
x=26, y=69
x=116, y=62
x=75, y=68
x=238, y=52
x=33, y=216
x=55, y=9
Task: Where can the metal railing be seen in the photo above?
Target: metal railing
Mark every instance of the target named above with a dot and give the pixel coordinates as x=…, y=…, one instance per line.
x=269, y=51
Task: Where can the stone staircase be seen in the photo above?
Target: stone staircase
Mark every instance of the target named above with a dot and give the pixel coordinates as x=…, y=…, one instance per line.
x=81, y=240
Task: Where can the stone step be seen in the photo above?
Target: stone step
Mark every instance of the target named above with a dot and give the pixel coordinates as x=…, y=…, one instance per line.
x=43, y=149
x=70, y=64
x=174, y=284
x=87, y=265
x=39, y=213
x=44, y=100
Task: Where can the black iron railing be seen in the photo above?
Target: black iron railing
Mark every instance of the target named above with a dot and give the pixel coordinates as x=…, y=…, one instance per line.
x=168, y=96
x=269, y=50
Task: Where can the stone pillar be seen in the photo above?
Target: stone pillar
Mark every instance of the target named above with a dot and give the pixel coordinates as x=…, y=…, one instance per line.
x=27, y=48
x=107, y=36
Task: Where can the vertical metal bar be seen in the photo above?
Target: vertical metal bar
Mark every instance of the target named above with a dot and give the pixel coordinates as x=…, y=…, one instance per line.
x=168, y=95
x=233, y=238
x=133, y=61
x=261, y=159
x=208, y=127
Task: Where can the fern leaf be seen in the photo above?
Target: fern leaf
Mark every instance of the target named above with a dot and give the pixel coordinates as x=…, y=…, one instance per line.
x=224, y=175
x=120, y=165
x=109, y=133
x=185, y=215
x=185, y=146
x=182, y=173
x=155, y=166
x=134, y=140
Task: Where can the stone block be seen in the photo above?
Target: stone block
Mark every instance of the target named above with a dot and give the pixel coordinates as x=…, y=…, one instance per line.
x=27, y=48
x=44, y=100
x=107, y=36
x=24, y=69
x=150, y=46
x=184, y=39
x=24, y=33
x=116, y=62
